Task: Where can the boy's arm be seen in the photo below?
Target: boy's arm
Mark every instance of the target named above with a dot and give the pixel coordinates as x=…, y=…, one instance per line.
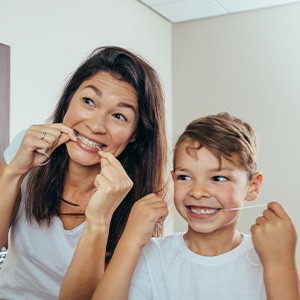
x=274, y=238
x=145, y=213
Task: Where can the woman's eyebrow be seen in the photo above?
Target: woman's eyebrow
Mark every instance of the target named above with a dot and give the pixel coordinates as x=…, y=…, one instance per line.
x=127, y=105
x=95, y=89
x=121, y=104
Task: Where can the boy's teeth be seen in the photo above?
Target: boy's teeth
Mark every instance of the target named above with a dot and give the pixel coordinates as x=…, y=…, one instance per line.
x=89, y=142
x=204, y=211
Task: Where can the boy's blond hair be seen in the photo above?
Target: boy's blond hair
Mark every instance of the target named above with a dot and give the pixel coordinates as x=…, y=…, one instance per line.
x=224, y=135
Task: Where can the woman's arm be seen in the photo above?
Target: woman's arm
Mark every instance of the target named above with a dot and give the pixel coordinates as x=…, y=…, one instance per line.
x=274, y=238
x=88, y=263
x=28, y=156
x=10, y=183
x=143, y=219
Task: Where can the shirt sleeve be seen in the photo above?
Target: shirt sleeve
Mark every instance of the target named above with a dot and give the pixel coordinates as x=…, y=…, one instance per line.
x=140, y=287
x=13, y=147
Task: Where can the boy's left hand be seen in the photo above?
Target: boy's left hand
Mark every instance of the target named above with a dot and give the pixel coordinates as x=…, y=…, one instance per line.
x=274, y=236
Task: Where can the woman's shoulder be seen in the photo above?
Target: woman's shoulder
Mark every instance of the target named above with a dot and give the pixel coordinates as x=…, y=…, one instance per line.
x=13, y=147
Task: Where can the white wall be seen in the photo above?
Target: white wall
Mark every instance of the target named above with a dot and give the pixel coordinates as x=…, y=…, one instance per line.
x=249, y=65
x=50, y=39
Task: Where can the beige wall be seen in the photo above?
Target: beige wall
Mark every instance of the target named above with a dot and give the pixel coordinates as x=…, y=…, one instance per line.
x=249, y=65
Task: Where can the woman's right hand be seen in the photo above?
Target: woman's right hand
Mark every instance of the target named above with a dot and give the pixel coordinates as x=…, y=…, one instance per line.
x=112, y=185
x=38, y=139
x=146, y=214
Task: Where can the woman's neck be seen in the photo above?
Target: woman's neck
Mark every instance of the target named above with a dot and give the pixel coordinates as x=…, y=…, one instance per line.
x=81, y=178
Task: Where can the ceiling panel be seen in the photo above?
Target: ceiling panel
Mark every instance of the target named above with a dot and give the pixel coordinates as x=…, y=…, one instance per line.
x=187, y=10
x=242, y=5
x=179, y=11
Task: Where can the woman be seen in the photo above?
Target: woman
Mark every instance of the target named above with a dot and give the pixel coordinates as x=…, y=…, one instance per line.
x=111, y=107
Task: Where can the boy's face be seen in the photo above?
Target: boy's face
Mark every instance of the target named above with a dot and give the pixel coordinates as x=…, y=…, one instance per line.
x=203, y=189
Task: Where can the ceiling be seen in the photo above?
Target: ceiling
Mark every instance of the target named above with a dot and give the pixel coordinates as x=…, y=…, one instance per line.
x=186, y=10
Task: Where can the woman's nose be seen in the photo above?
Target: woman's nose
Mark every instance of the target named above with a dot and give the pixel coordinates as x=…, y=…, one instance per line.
x=98, y=124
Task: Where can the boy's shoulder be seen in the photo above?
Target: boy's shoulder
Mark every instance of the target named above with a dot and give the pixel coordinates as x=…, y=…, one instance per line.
x=167, y=242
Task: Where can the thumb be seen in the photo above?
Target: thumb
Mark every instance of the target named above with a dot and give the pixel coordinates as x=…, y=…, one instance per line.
x=103, y=162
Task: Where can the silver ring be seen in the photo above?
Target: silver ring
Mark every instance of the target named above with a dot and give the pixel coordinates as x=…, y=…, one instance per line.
x=43, y=135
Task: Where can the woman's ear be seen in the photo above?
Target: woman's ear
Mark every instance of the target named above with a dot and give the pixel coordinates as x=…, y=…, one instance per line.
x=255, y=184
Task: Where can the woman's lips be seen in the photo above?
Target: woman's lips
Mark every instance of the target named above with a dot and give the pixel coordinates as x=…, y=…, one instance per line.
x=89, y=145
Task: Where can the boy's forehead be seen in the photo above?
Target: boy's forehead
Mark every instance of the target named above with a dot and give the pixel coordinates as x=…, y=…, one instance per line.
x=193, y=149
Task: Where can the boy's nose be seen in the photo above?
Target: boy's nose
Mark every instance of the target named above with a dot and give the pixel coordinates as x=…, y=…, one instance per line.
x=199, y=191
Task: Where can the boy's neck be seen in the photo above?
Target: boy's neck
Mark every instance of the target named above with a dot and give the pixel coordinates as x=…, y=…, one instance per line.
x=212, y=244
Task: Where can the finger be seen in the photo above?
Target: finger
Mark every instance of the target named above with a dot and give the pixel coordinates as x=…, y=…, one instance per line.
x=110, y=158
x=65, y=129
x=51, y=135
x=150, y=196
x=103, y=162
x=269, y=215
x=260, y=220
x=279, y=210
x=114, y=174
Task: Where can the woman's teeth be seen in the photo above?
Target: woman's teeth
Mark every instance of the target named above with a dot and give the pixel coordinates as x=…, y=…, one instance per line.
x=90, y=143
x=202, y=211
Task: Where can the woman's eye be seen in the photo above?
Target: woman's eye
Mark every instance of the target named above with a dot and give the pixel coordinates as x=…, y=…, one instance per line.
x=219, y=178
x=183, y=177
x=88, y=101
x=120, y=117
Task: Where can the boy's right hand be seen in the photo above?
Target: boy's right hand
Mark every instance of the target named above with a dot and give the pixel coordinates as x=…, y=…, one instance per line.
x=274, y=236
x=145, y=215
x=38, y=139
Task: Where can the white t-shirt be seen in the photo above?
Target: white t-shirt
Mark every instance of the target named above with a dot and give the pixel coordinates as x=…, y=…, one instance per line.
x=37, y=257
x=168, y=270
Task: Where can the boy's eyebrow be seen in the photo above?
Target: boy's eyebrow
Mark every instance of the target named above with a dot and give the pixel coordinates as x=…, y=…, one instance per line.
x=211, y=170
x=222, y=169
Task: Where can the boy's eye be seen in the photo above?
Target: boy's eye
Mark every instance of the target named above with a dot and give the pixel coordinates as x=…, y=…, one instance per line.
x=88, y=101
x=183, y=177
x=219, y=178
x=120, y=117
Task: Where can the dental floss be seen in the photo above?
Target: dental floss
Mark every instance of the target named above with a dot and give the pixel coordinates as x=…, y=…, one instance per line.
x=44, y=153
x=159, y=225
x=244, y=207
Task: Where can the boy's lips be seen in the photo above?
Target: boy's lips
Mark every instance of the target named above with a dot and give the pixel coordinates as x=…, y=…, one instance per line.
x=203, y=210
x=86, y=141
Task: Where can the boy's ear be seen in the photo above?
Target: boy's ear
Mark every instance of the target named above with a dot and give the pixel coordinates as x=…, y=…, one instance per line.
x=255, y=185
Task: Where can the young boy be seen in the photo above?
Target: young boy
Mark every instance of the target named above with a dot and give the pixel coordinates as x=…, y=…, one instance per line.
x=215, y=162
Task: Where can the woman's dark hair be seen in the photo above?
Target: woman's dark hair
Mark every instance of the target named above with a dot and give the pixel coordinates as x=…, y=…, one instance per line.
x=144, y=159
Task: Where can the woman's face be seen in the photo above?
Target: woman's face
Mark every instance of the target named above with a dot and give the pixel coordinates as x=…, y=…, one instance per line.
x=103, y=113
